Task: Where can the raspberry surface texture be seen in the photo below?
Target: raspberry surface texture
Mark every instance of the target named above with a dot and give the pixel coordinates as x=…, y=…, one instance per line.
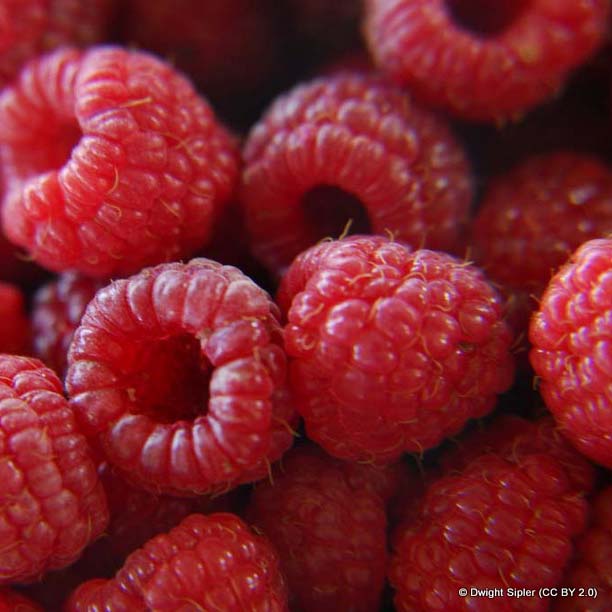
x=32, y=27
x=111, y=162
x=209, y=562
x=572, y=349
x=179, y=372
x=14, y=322
x=590, y=568
x=52, y=504
x=484, y=60
x=351, y=147
x=12, y=601
x=57, y=310
x=392, y=350
x=328, y=524
x=497, y=525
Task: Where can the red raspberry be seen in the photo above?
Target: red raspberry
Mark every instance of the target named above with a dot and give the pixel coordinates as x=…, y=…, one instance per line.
x=206, y=563
x=484, y=60
x=533, y=217
x=350, y=146
x=572, y=349
x=179, y=372
x=32, y=27
x=591, y=565
x=51, y=502
x=11, y=601
x=328, y=524
x=57, y=310
x=227, y=48
x=14, y=323
x=112, y=162
x=499, y=524
x=393, y=350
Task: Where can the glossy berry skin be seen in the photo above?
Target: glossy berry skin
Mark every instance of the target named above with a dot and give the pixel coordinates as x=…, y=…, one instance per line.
x=498, y=524
x=392, y=350
x=14, y=322
x=533, y=217
x=484, y=61
x=56, y=312
x=179, y=374
x=328, y=523
x=12, y=601
x=209, y=562
x=590, y=567
x=111, y=162
x=572, y=349
x=33, y=27
x=52, y=504
x=351, y=146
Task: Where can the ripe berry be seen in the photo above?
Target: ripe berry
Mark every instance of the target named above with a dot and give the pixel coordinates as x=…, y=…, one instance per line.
x=12, y=601
x=179, y=373
x=14, y=323
x=392, y=350
x=498, y=524
x=206, y=563
x=51, y=502
x=350, y=146
x=111, y=162
x=572, y=349
x=57, y=310
x=327, y=522
x=484, y=60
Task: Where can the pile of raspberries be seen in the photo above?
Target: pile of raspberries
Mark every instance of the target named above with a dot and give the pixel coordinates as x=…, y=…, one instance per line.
x=305, y=305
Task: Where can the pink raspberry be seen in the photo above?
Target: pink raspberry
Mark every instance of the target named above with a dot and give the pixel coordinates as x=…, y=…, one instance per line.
x=57, y=310
x=179, y=373
x=392, y=350
x=327, y=522
x=111, y=161
x=496, y=525
x=29, y=28
x=14, y=322
x=51, y=502
x=206, y=563
x=484, y=60
x=351, y=146
x=572, y=349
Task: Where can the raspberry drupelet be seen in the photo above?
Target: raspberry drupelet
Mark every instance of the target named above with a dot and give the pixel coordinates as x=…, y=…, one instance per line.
x=484, y=60
x=111, y=162
x=29, y=28
x=351, y=147
x=327, y=521
x=499, y=524
x=209, y=562
x=572, y=349
x=56, y=312
x=391, y=350
x=179, y=373
x=52, y=504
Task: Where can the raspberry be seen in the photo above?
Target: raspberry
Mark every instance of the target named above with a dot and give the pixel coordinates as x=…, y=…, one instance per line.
x=328, y=524
x=14, y=323
x=11, y=601
x=590, y=567
x=497, y=525
x=572, y=352
x=57, y=310
x=393, y=350
x=32, y=27
x=206, y=563
x=350, y=146
x=533, y=217
x=178, y=372
x=112, y=162
x=51, y=503
x=484, y=60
